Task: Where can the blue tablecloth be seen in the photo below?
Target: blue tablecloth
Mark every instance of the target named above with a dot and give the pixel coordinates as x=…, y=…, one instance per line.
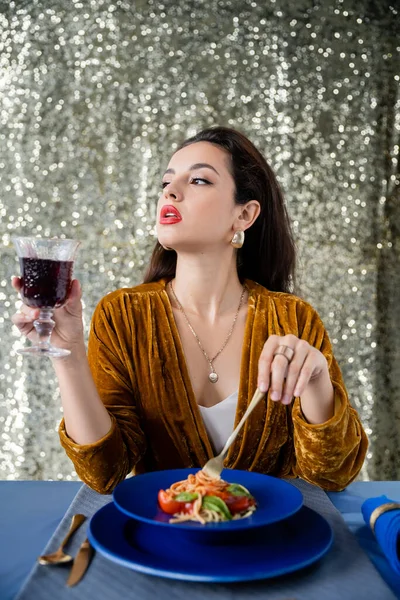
x=31, y=510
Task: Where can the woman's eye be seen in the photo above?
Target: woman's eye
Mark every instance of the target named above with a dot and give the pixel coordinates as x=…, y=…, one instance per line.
x=195, y=179
x=200, y=179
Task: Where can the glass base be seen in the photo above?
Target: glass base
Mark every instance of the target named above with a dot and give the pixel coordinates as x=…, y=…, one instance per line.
x=50, y=351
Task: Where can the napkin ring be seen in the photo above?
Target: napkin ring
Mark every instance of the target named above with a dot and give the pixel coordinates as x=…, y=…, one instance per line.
x=380, y=510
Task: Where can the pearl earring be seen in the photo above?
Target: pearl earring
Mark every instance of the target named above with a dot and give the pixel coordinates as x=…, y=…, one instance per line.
x=238, y=239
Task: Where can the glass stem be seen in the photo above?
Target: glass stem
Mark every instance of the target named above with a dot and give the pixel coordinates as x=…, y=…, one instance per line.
x=44, y=326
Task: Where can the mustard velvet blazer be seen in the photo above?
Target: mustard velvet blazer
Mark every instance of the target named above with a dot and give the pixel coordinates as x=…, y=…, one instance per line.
x=139, y=369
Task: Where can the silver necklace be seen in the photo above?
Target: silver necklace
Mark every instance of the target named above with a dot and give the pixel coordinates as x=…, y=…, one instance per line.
x=213, y=377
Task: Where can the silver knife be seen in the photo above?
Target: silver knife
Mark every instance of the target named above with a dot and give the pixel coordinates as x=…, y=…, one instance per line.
x=80, y=564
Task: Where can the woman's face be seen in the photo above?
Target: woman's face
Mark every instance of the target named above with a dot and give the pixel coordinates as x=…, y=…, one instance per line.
x=197, y=209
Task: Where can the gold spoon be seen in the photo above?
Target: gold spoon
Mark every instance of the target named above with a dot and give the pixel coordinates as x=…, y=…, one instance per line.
x=59, y=556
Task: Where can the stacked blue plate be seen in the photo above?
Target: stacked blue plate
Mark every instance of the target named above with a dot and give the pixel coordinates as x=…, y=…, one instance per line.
x=280, y=537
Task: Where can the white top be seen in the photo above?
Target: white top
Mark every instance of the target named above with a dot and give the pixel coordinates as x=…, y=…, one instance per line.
x=219, y=420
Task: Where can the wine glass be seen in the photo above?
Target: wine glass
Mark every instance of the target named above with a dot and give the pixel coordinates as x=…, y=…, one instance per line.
x=46, y=277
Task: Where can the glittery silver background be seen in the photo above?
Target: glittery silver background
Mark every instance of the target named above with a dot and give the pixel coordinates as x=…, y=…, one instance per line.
x=94, y=97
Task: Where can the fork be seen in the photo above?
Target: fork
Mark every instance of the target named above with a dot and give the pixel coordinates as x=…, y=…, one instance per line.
x=214, y=466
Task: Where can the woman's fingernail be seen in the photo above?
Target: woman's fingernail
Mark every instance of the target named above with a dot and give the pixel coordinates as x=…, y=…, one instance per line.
x=296, y=393
x=262, y=386
x=286, y=399
x=275, y=396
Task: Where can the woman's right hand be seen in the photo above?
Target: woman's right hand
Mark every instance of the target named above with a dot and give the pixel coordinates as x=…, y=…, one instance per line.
x=68, y=330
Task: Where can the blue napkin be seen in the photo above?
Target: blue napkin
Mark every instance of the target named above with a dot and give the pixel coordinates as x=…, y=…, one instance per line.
x=387, y=529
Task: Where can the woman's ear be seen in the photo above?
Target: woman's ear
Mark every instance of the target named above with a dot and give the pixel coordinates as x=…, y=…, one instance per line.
x=248, y=215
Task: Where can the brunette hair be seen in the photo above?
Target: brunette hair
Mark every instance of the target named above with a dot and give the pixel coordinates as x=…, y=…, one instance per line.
x=268, y=255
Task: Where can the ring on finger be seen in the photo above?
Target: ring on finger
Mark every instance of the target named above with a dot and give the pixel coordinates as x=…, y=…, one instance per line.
x=285, y=351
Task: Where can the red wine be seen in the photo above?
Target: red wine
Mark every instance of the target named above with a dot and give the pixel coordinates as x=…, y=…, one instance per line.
x=45, y=283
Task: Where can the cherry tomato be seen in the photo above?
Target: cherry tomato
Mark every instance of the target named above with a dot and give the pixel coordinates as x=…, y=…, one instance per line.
x=171, y=507
x=236, y=504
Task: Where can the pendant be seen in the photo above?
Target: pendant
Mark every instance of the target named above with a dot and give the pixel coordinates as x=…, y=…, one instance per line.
x=213, y=377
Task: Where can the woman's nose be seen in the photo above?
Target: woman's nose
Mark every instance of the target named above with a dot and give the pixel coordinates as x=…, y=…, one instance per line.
x=171, y=191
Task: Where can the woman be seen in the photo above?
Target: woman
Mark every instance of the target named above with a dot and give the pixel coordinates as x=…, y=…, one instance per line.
x=173, y=363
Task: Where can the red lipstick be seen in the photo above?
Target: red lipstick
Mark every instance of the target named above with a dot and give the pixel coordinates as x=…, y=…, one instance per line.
x=170, y=215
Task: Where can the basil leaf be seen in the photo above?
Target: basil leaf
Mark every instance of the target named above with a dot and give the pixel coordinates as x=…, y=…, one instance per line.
x=186, y=497
x=238, y=490
x=217, y=504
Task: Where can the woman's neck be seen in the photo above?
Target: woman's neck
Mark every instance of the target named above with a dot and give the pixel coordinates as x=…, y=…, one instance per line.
x=207, y=286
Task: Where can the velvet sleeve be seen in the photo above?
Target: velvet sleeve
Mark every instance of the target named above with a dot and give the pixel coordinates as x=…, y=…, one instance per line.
x=105, y=463
x=329, y=454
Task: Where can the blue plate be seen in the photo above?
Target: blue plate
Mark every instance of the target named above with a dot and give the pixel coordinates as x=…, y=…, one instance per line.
x=276, y=499
x=273, y=550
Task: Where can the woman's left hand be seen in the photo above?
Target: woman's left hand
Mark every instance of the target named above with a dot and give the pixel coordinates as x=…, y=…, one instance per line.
x=288, y=375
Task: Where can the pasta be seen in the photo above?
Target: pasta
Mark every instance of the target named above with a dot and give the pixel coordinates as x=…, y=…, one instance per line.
x=206, y=500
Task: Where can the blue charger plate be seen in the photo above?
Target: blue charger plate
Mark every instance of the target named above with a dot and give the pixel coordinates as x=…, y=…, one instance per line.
x=276, y=499
x=270, y=551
